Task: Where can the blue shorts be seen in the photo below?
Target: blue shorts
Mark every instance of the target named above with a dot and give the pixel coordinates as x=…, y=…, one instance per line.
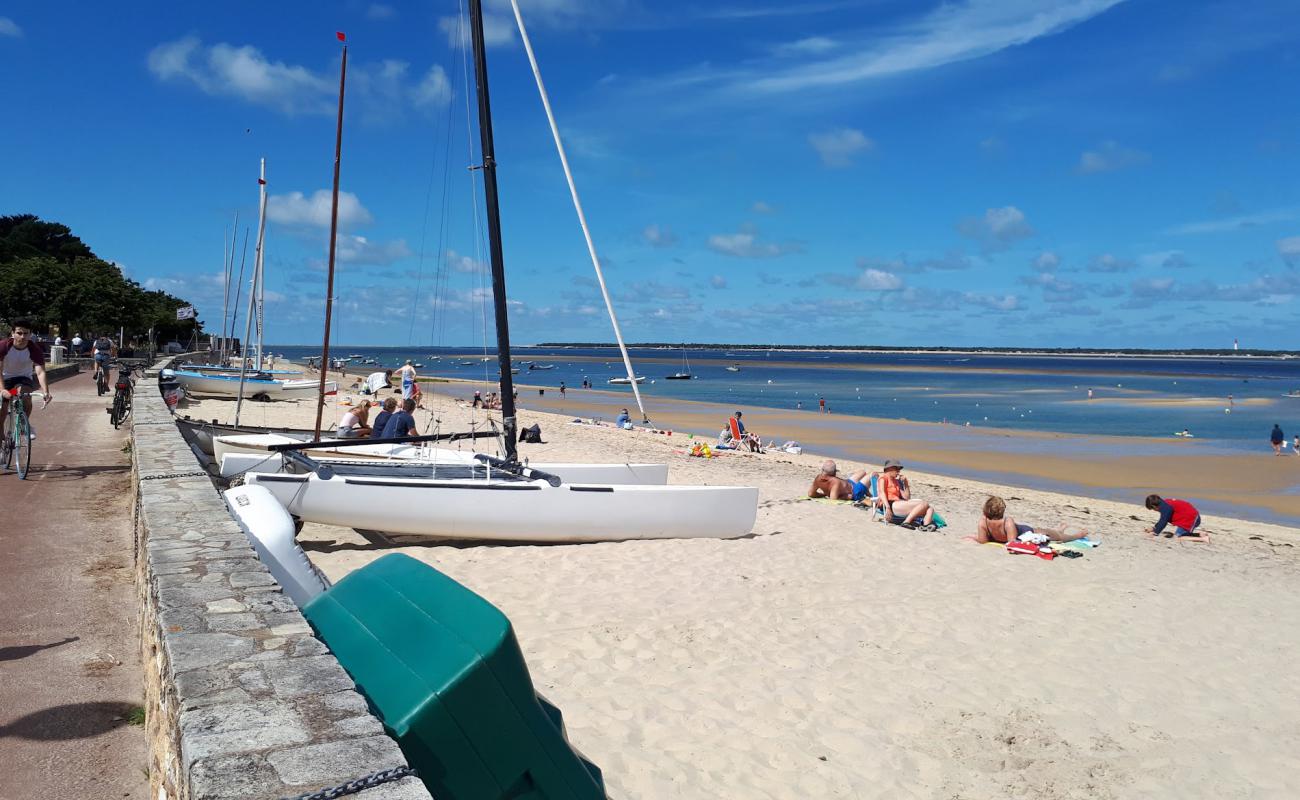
x=1191, y=531
x=859, y=489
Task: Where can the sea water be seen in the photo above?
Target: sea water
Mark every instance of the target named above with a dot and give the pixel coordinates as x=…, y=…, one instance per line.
x=1132, y=396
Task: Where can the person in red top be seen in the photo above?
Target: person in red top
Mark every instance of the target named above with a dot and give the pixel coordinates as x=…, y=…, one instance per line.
x=896, y=493
x=1181, y=514
x=21, y=360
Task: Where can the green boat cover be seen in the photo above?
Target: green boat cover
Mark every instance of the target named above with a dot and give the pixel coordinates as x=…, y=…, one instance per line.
x=441, y=668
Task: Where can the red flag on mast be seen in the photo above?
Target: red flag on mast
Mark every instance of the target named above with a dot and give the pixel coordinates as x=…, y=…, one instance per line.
x=342, y=36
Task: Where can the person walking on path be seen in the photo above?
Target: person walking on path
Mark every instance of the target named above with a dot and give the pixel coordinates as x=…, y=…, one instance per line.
x=1276, y=438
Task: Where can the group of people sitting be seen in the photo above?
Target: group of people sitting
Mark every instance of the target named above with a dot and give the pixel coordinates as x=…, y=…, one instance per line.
x=491, y=401
x=390, y=423
x=891, y=494
x=735, y=436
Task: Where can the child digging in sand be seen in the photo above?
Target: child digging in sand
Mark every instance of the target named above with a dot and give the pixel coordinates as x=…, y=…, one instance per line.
x=996, y=526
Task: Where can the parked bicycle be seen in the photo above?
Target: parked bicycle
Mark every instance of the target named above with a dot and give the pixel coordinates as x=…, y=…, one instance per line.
x=123, y=389
x=16, y=447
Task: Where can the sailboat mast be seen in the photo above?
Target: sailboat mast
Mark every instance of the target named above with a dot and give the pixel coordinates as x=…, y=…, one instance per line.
x=508, y=423
x=258, y=277
x=334, y=234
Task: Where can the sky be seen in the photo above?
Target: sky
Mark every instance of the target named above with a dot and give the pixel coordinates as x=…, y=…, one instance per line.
x=1032, y=173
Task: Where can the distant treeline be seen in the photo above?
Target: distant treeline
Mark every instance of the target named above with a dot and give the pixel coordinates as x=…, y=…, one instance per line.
x=1062, y=351
x=50, y=276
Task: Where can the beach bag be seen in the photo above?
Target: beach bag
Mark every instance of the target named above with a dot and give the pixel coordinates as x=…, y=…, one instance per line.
x=531, y=435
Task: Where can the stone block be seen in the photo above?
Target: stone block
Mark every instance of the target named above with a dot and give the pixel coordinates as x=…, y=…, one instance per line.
x=233, y=778
x=193, y=650
x=294, y=677
x=240, y=728
x=330, y=762
x=243, y=580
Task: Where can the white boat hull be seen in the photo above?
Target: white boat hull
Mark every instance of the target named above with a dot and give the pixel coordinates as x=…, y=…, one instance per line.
x=516, y=510
x=270, y=530
x=243, y=453
x=228, y=386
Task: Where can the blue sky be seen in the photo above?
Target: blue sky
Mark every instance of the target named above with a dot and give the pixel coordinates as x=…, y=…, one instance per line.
x=976, y=172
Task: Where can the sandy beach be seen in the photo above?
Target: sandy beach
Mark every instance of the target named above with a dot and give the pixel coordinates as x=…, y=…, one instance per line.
x=830, y=656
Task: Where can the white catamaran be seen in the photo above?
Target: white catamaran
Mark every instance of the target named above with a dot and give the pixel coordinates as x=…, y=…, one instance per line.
x=485, y=497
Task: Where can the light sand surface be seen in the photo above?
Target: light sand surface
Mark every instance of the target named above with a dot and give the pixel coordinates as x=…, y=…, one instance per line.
x=830, y=656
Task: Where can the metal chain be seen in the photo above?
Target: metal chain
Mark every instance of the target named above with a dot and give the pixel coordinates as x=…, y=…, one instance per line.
x=359, y=785
x=169, y=475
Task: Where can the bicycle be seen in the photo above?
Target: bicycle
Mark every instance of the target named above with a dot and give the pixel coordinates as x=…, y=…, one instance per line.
x=101, y=377
x=16, y=448
x=123, y=391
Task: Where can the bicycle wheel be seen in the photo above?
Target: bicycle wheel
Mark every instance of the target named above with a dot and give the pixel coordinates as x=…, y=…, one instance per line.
x=116, y=416
x=22, y=445
x=101, y=383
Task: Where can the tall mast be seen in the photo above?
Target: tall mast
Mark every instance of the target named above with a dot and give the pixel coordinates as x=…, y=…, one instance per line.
x=334, y=232
x=225, y=305
x=258, y=277
x=494, y=231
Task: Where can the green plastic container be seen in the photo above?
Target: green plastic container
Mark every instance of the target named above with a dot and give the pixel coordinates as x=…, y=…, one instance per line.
x=442, y=670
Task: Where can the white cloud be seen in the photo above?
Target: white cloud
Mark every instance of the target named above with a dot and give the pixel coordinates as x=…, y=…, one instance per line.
x=1289, y=249
x=1108, y=157
x=878, y=280
x=838, y=147
x=295, y=208
x=952, y=32
x=460, y=263
x=761, y=207
x=657, y=236
x=1047, y=261
x=999, y=228
x=434, y=89
x=718, y=282
x=498, y=29
x=1165, y=259
x=746, y=245
x=354, y=249
x=1148, y=285
x=811, y=45
x=380, y=11
x=9, y=28
x=1108, y=262
x=224, y=70
x=1238, y=223
x=998, y=302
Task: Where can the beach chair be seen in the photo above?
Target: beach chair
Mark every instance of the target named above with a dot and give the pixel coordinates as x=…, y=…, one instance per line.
x=746, y=441
x=880, y=510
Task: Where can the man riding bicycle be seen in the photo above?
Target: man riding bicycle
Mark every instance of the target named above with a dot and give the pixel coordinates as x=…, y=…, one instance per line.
x=21, y=359
x=105, y=349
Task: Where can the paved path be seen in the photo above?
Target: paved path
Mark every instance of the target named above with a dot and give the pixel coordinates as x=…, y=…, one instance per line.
x=69, y=650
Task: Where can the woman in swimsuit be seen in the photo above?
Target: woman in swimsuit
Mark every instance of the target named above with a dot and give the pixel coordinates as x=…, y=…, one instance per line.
x=996, y=526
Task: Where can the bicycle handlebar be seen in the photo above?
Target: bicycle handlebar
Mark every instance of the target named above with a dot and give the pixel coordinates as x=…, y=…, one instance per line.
x=9, y=394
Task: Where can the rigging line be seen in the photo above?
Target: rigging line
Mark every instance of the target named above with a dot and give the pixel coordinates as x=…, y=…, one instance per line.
x=424, y=232
x=577, y=205
x=239, y=285
x=439, y=295
x=479, y=233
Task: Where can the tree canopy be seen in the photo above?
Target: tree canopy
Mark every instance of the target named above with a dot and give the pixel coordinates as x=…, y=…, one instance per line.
x=51, y=277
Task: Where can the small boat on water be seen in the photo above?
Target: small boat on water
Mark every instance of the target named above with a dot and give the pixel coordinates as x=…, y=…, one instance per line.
x=534, y=365
x=625, y=381
x=467, y=363
x=733, y=368
x=685, y=373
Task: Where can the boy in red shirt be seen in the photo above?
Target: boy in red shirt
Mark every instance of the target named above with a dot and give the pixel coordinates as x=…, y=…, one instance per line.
x=1182, y=514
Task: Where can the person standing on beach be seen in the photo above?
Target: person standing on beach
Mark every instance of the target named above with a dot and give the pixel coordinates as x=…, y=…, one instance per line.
x=1089, y=394
x=408, y=380
x=821, y=404
x=1181, y=514
x=1276, y=438
x=561, y=389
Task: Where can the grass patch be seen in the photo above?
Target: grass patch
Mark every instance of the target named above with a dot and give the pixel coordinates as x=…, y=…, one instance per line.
x=135, y=716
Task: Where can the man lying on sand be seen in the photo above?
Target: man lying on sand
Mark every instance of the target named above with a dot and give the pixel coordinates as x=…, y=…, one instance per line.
x=996, y=526
x=829, y=484
x=1182, y=514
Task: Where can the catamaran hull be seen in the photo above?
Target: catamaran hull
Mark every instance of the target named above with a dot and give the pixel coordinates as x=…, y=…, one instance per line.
x=243, y=453
x=228, y=386
x=518, y=511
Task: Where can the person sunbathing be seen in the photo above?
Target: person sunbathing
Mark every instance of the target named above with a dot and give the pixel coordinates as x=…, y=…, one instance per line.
x=828, y=483
x=896, y=494
x=996, y=526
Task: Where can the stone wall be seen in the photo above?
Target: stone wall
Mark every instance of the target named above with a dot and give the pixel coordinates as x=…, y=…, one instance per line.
x=242, y=701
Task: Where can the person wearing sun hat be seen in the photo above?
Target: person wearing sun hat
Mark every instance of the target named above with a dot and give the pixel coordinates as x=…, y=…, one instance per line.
x=896, y=492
